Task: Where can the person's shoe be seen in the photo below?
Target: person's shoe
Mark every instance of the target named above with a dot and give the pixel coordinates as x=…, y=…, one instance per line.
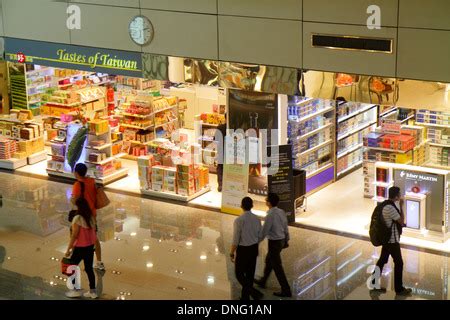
x=100, y=266
x=381, y=290
x=282, y=294
x=90, y=294
x=260, y=283
x=404, y=292
x=256, y=294
x=73, y=294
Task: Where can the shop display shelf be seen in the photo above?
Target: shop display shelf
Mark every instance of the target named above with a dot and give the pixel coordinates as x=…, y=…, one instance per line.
x=323, y=168
x=118, y=174
x=163, y=124
x=388, y=112
x=359, y=128
x=75, y=76
x=209, y=125
x=388, y=150
x=383, y=184
x=407, y=118
x=13, y=163
x=71, y=105
x=97, y=134
x=142, y=116
x=344, y=118
x=135, y=127
x=313, y=132
x=165, y=109
x=106, y=145
x=432, y=124
x=34, y=72
x=349, y=150
x=37, y=157
x=313, y=115
x=351, y=167
x=103, y=162
x=378, y=199
x=439, y=145
x=173, y=196
x=436, y=166
x=323, y=144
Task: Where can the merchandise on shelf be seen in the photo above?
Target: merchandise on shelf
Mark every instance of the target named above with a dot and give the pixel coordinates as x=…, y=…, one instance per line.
x=29, y=136
x=311, y=133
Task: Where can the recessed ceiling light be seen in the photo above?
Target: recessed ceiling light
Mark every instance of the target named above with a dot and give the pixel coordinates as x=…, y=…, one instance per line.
x=189, y=243
x=203, y=257
x=179, y=271
x=149, y=265
x=146, y=248
x=173, y=250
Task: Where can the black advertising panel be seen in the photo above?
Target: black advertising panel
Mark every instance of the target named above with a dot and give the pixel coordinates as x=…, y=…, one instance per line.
x=254, y=113
x=281, y=179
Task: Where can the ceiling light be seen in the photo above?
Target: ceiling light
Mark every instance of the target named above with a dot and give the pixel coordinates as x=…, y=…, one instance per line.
x=189, y=243
x=203, y=257
x=149, y=265
x=211, y=279
x=146, y=248
x=133, y=234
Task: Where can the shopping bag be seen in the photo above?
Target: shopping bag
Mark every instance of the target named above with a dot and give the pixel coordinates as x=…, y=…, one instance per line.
x=102, y=199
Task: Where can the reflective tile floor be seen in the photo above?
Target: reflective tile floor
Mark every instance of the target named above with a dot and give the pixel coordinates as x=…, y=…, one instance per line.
x=157, y=250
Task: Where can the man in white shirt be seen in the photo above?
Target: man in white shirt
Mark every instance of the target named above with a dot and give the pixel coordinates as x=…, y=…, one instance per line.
x=394, y=218
x=247, y=229
x=277, y=231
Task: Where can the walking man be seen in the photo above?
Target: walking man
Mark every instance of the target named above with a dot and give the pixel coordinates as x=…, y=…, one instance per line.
x=276, y=230
x=245, y=248
x=395, y=219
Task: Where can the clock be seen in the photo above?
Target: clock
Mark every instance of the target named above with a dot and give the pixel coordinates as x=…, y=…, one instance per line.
x=141, y=30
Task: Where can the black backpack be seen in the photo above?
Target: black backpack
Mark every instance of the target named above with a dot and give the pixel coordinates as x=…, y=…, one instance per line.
x=379, y=232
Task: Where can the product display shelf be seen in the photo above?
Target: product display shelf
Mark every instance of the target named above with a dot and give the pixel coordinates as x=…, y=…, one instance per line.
x=13, y=163
x=173, y=196
x=350, y=168
x=349, y=150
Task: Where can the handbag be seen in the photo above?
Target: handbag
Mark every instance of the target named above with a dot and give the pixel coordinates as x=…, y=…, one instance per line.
x=102, y=199
x=65, y=264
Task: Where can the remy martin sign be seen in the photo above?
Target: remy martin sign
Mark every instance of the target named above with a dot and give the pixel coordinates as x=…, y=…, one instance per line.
x=74, y=57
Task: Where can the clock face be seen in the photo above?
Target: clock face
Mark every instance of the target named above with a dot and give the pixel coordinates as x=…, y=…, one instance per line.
x=141, y=30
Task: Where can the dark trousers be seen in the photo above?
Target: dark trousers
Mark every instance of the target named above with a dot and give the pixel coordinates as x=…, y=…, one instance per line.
x=245, y=267
x=273, y=262
x=219, y=176
x=87, y=255
x=393, y=250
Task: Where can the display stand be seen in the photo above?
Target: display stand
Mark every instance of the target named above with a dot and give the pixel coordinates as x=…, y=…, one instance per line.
x=311, y=131
x=13, y=164
x=173, y=196
x=37, y=157
x=353, y=121
x=426, y=202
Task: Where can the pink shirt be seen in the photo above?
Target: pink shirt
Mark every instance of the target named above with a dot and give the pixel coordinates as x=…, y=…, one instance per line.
x=87, y=236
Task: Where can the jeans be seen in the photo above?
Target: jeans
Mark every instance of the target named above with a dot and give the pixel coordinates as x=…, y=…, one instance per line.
x=393, y=249
x=245, y=267
x=87, y=255
x=273, y=262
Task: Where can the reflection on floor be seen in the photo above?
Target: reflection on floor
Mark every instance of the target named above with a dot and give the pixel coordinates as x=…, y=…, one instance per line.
x=156, y=250
x=342, y=207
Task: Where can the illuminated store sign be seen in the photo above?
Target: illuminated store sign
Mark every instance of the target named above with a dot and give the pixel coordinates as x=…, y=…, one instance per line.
x=75, y=57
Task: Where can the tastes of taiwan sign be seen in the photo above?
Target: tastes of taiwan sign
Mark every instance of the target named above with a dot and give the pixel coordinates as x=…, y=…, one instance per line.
x=75, y=57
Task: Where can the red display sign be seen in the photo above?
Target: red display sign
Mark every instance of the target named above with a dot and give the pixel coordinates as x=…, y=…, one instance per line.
x=21, y=58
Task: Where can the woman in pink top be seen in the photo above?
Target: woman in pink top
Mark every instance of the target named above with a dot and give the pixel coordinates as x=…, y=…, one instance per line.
x=82, y=245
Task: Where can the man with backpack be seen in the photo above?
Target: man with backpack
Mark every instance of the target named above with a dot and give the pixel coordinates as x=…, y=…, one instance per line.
x=385, y=230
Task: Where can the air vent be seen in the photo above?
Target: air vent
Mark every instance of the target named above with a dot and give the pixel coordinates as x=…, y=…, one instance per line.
x=352, y=43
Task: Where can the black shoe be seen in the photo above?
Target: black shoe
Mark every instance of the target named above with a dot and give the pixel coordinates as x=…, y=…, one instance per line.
x=404, y=292
x=256, y=294
x=381, y=290
x=260, y=283
x=282, y=294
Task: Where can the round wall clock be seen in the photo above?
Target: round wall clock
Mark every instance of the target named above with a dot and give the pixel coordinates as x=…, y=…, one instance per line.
x=141, y=30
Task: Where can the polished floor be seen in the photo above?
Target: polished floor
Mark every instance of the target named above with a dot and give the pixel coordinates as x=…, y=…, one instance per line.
x=157, y=250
